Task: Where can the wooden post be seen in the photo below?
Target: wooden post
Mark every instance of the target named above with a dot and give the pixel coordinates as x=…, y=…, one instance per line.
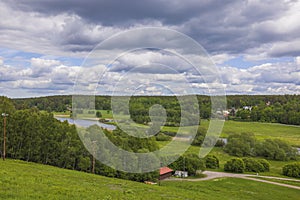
x=93, y=159
x=4, y=135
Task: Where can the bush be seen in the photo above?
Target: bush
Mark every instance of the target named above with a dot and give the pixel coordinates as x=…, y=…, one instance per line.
x=276, y=150
x=199, y=137
x=252, y=165
x=236, y=165
x=172, y=134
x=292, y=170
x=190, y=163
x=98, y=114
x=211, y=162
x=220, y=143
x=266, y=164
x=162, y=137
x=240, y=144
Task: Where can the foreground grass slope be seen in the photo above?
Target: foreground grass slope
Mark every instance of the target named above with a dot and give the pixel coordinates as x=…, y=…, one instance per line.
x=22, y=180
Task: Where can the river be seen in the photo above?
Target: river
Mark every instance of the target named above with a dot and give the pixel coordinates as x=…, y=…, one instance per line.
x=86, y=123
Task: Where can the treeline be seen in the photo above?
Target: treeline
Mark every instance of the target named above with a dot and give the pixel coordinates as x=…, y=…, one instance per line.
x=36, y=136
x=263, y=108
x=245, y=144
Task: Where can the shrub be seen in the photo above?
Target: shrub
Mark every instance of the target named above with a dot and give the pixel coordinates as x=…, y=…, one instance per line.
x=252, y=165
x=211, y=162
x=292, y=170
x=163, y=137
x=190, y=163
x=240, y=144
x=275, y=150
x=265, y=163
x=199, y=137
x=220, y=143
x=235, y=165
x=98, y=114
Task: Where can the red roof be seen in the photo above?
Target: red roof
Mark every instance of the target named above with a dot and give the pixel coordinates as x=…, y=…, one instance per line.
x=164, y=170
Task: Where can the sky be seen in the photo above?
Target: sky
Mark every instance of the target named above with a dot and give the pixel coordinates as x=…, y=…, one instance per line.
x=45, y=45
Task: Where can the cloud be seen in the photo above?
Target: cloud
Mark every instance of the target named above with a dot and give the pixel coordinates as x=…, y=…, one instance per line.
x=51, y=29
x=297, y=60
x=269, y=78
x=41, y=76
x=230, y=27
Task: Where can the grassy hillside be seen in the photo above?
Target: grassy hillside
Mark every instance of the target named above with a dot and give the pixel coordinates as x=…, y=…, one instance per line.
x=22, y=180
x=288, y=133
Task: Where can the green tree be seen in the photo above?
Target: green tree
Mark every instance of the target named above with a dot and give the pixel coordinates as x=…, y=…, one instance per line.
x=240, y=144
x=98, y=114
x=292, y=170
x=252, y=165
x=236, y=165
x=211, y=162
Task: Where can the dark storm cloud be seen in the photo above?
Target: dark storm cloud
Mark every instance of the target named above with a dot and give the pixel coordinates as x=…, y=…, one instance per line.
x=231, y=27
x=123, y=12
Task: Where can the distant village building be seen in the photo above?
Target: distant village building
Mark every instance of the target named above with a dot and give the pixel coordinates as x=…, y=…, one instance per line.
x=224, y=140
x=232, y=111
x=226, y=113
x=182, y=174
x=247, y=108
x=165, y=172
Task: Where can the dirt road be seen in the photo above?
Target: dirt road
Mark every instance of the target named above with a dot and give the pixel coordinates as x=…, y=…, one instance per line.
x=214, y=175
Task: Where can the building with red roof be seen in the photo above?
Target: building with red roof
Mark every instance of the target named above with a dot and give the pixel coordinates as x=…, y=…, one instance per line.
x=165, y=172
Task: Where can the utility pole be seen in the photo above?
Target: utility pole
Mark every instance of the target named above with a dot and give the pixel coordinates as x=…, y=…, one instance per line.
x=4, y=115
x=94, y=153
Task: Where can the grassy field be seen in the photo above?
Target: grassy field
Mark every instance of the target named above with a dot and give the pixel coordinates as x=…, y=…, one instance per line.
x=107, y=114
x=262, y=131
x=22, y=180
x=295, y=183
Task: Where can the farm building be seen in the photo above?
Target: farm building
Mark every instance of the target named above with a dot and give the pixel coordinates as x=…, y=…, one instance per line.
x=182, y=174
x=165, y=172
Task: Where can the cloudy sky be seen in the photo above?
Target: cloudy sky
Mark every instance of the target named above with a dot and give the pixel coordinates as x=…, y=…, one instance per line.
x=254, y=44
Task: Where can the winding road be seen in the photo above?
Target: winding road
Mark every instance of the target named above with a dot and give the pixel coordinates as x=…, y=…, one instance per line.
x=214, y=175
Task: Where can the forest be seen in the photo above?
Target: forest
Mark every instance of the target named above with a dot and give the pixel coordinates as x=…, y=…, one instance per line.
x=36, y=136
x=283, y=109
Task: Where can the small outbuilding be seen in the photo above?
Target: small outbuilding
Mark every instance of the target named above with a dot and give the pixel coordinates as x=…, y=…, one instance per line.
x=165, y=172
x=182, y=174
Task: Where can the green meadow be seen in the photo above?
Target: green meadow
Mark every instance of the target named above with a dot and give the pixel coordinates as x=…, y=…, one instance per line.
x=261, y=131
x=23, y=180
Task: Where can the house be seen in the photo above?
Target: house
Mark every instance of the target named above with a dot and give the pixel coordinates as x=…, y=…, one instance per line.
x=224, y=140
x=247, y=108
x=182, y=174
x=165, y=172
x=226, y=113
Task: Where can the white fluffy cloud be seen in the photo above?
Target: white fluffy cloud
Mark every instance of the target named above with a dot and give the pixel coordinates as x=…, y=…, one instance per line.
x=72, y=29
x=269, y=78
x=42, y=77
